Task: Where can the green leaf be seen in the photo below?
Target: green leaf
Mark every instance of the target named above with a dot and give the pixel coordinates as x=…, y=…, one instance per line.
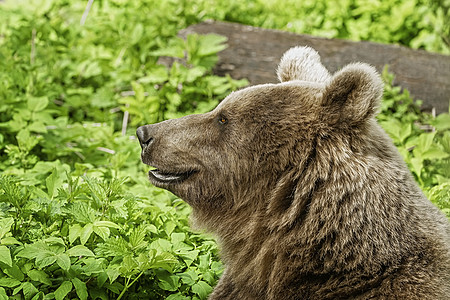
x=80, y=288
x=29, y=290
x=169, y=227
x=53, y=182
x=161, y=245
x=113, y=273
x=177, y=296
x=5, y=256
x=168, y=282
x=37, y=126
x=14, y=272
x=441, y=122
x=63, y=290
x=177, y=237
x=5, y=226
x=40, y=276
x=202, y=289
x=165, y=261
x=44, y=259
x=137, y=33
x=74, y=232
x=211, y=44
x=79, y=250
x=106, y=224
x=157, y=74
x=63, y=261
x=434, y=153
x=37, y=103
x=86, y=233
x=10, y=241
x=9, y=282
x=101, y=231
x=189, y=277
x=3, y=295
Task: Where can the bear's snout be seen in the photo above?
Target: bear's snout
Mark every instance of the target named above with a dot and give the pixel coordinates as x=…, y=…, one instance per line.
x=144, y=135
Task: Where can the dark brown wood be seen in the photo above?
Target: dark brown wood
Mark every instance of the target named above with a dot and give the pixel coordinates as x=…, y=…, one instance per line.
x=254, y=53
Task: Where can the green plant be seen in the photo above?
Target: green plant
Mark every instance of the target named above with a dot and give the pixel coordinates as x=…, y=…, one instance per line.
x=81, y=236
x=78, y=218
x=423, y=141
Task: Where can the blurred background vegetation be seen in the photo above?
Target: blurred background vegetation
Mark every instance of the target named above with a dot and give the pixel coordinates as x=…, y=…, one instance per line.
x=78, y=218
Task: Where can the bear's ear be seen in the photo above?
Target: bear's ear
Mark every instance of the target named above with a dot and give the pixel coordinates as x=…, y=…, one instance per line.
x=353, y=93
x=302, y=63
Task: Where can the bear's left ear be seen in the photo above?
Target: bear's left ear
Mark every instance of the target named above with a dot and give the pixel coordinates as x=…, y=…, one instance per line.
x=302, y=63
x=353, y=93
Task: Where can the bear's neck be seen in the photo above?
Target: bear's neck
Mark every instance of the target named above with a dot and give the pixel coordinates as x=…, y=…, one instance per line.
x=334, y=215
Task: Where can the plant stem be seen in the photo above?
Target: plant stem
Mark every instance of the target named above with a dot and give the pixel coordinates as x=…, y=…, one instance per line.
x=128, y=285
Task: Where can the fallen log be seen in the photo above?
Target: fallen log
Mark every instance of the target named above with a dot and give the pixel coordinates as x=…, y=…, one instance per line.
x=254, y=53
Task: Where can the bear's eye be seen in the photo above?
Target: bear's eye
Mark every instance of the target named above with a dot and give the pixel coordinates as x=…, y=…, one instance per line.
x=223, y=120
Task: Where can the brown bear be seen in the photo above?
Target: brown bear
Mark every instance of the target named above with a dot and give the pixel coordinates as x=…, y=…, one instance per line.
x=306, y=193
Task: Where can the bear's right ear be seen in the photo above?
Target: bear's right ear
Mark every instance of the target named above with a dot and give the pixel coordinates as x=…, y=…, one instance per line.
x=302, y=63
x=353, y=93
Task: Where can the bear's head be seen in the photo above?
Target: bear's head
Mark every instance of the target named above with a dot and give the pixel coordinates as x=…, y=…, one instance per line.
x=261, y=136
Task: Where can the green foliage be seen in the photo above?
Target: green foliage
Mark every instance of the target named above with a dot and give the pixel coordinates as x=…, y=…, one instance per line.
x=78, y=218
x=423, y=141
x=82, y=237
x=414, y=23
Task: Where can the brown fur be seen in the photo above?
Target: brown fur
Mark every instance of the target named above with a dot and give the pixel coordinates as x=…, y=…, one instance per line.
x=306, y=193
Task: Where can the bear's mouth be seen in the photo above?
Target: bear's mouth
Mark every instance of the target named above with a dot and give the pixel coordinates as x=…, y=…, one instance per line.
x=159, y=177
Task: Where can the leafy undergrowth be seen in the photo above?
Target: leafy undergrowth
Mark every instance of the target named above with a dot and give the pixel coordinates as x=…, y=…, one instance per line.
x=78, y=217
x=423, y=141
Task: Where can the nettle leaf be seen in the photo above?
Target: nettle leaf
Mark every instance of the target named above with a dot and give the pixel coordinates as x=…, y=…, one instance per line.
x=211, y=43
x=137, y=237
x=63, y=290
x=113, y=247
x=97, y=191
x=157, y=74
x=202, y=289
x=82, y=212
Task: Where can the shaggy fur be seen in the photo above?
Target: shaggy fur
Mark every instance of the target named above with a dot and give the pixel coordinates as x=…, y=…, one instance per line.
x=306, y=193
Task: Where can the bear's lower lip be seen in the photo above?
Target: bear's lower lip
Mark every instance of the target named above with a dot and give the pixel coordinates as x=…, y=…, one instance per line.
x=161, y=177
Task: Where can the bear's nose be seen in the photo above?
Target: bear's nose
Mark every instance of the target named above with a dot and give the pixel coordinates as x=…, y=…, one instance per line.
x=143, y=134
